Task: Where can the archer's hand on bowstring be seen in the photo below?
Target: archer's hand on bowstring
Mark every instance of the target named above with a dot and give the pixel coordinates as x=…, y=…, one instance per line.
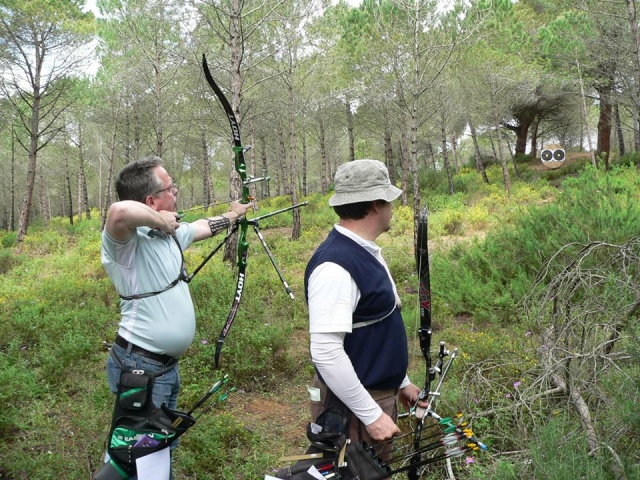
x=170, y=221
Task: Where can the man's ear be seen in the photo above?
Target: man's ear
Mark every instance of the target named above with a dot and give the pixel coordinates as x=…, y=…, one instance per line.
x=376, y=204
x=150, y=201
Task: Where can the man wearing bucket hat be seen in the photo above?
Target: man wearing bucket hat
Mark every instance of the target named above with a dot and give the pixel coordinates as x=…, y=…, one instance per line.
x=357, y=338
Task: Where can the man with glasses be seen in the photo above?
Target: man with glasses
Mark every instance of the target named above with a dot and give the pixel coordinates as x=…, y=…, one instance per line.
x=142, y=246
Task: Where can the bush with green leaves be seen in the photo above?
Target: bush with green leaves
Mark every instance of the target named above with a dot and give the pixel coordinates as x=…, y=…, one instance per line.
x=489, y=278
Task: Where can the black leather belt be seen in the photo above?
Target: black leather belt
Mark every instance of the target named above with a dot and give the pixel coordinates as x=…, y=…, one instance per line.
x=164, y=359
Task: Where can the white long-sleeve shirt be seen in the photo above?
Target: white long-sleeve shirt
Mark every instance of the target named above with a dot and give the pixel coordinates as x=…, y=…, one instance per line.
x=332, y=298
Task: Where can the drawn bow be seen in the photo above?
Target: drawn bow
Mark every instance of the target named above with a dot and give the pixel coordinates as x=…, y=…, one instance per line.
x=242, y=224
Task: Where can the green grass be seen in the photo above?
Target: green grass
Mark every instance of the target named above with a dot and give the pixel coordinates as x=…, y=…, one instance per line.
x=57, y=308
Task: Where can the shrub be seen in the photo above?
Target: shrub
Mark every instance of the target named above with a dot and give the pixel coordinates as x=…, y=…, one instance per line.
x=9, y=239
x=489, y=278
x=8, y=260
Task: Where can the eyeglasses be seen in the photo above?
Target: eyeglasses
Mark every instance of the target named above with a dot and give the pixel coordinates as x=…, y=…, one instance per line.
x=169, y=188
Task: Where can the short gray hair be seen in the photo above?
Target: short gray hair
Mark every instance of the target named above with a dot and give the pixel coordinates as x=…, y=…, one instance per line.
x=136, y=180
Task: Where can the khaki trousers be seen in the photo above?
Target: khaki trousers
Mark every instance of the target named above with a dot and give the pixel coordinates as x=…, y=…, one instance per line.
x=386, y=399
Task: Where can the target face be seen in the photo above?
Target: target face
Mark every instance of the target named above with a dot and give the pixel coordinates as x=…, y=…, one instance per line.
x=552, y=155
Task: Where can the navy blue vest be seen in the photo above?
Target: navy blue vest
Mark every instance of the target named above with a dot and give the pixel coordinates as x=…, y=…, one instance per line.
x=378, y=351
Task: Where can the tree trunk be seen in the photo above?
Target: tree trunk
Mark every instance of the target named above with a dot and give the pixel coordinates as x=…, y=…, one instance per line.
x=324, y=166
x=619, y=132
x=534, y=136
x=406, y=167
x=350, y=133
x=159, y=113
x=12, y=220
x=432, y=156
x=281, y=184
x=235, y=43
x=67, y=175
x=503, y=160
x=454, y=150
x=266, y=190
x=635, y=37
x=413, y=160
x=295, y=232
x=251, y=168
x=522, y=132
x=44, y=201
x=513, y=158
x=208, y=195
x=445, y=153
x=111, y=168
x=476, y=152
x=388, y=154
x=604, y=124
x=585, y=116
x=137, y=135
x=83, y=192
x=31, y=172
x=305, y=187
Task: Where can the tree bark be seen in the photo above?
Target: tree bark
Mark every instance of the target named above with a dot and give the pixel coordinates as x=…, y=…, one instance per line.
x=305, y=159
x=619, y=132
x=12, y=221
x=67, y=175
x=350, y=133
x=388, y=154
x=266, y=190
x=83, y=192
x=585, y=116
x=633, y=24
x=235, y=42
x=295, y=231
x=503, y=160
x=406, y=167
x=33, y=155
x=534, y=137
x=324, y=166
x=111, y=168
x=208, y=195
x=445, y=152
x=603, y=148
x=476, y=152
